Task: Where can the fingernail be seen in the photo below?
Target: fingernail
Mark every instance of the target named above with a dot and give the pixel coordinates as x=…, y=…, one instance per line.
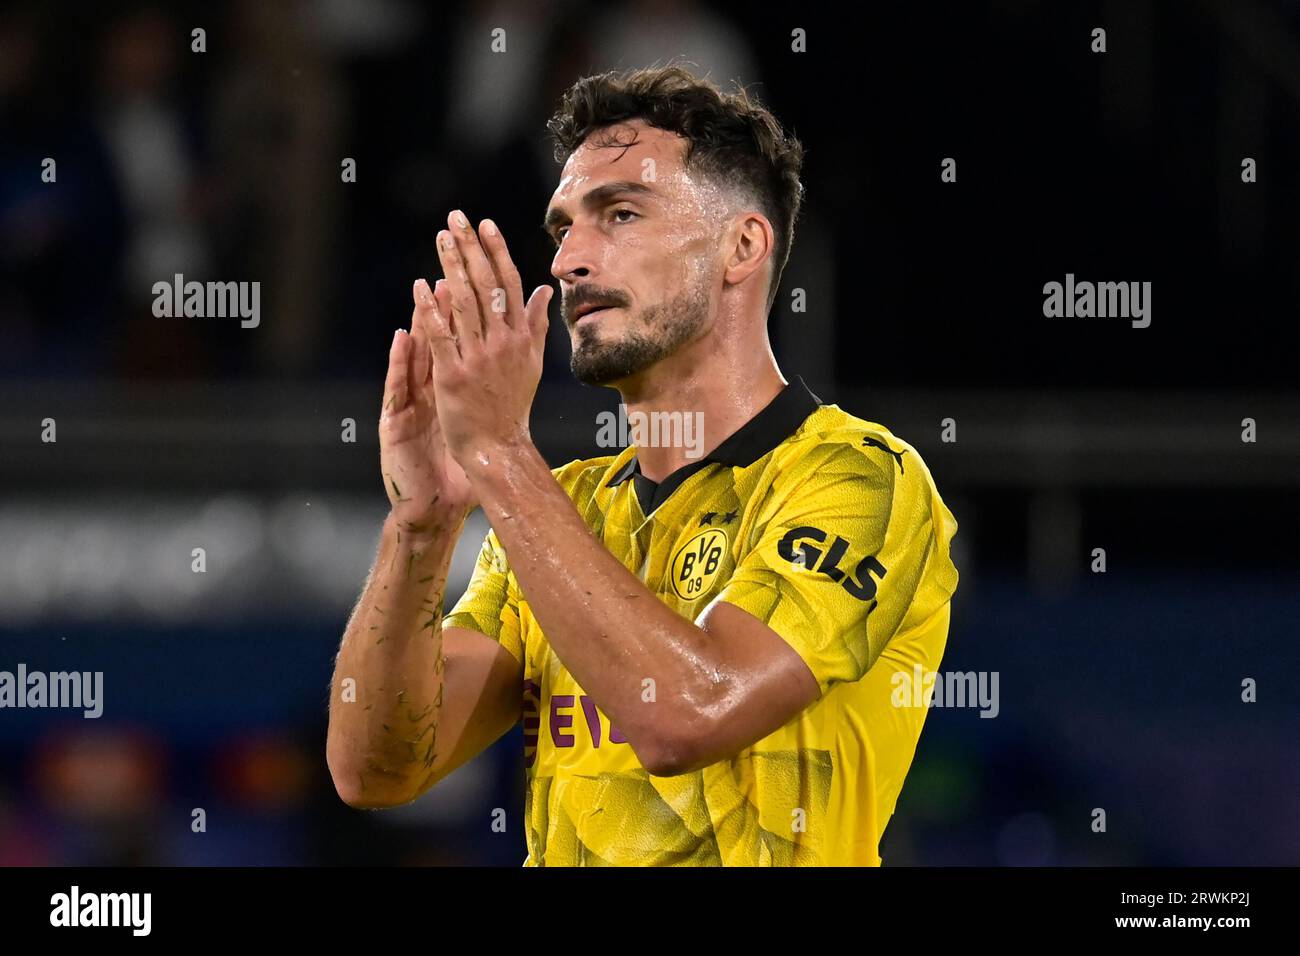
x=446, y=240
x=460, y=219
x=489, y=227
x=422, y=286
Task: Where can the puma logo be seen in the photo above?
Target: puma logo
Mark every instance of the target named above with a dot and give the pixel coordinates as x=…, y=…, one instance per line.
x=898, y=455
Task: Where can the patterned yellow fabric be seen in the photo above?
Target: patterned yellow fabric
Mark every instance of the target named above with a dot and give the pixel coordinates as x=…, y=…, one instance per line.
x=826, y=527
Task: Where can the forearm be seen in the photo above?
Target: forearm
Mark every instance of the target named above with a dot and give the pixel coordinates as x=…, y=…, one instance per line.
x=386, y=694
x=605, y=625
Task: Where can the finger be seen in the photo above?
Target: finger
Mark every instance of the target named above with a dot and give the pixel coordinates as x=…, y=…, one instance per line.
x=442, y=341
x=442, y=299
x=466, y=303
x=537, y=315
x=420, y=331
x=442, y=307
x=395, y=388
x=420, y=359
x=482, y=277
x=465, y=310
x=494, y=244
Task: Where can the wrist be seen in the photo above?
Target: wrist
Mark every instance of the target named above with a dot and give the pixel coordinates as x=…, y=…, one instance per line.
x=497, y=456
x=420, y=533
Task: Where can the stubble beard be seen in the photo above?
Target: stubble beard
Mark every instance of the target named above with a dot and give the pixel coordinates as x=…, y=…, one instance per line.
x=656, y=334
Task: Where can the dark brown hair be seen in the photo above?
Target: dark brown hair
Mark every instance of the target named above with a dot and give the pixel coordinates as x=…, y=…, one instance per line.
x=731, y=138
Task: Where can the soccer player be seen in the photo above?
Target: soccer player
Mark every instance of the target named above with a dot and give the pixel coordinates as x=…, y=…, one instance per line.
x=705, y=652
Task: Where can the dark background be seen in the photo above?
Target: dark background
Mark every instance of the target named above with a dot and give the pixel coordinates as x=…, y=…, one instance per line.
x=1119, y=690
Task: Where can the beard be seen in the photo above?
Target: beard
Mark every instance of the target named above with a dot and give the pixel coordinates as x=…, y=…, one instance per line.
x=663, y=329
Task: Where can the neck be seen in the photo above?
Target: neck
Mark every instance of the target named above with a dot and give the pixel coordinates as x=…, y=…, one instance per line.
x=713, y=390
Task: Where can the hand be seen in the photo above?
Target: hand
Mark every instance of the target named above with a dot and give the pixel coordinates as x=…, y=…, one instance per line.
x=487, y=344
x=427, y=490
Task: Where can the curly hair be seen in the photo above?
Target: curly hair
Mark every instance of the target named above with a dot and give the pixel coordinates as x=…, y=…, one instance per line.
x=732, y=139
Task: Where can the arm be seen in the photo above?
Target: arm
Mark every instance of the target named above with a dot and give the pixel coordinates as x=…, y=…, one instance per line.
x=719, y=686
x=423, y=699
x=848, y=552
x=411, y=701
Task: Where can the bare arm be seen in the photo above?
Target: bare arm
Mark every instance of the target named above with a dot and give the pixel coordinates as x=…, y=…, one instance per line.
x=720, y=685
x=410, y=702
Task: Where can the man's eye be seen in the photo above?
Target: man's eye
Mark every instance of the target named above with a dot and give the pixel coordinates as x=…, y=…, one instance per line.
x=559, y=233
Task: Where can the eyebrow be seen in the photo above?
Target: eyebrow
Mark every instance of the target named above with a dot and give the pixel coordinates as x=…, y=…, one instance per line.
x=556, y=217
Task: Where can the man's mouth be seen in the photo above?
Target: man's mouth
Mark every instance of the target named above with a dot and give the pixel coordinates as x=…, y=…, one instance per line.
x=588, y=311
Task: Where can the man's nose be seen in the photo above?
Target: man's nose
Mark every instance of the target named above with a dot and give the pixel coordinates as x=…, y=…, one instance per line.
x=575, y=259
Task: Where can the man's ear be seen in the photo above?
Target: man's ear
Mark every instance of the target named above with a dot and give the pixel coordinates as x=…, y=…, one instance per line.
x=750, y=241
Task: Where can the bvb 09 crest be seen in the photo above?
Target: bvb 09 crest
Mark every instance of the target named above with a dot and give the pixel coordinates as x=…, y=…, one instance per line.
x=696, y=564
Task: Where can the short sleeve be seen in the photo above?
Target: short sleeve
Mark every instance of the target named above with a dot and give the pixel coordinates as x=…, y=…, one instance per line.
x=854, y=551
x=489, y=604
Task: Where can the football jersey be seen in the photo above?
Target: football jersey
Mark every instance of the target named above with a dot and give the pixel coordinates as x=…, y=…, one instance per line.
x=827, y=528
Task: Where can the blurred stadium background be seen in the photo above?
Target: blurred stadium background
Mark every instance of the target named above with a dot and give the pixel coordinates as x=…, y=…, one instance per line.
x=1119, y=691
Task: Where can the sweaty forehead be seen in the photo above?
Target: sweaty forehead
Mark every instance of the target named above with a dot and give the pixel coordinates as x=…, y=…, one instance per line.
x=620, y=153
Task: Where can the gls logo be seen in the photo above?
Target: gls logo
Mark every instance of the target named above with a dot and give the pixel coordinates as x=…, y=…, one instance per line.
x=797, y=548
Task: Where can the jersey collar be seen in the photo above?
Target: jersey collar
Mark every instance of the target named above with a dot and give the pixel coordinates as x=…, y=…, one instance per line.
x=777, y=421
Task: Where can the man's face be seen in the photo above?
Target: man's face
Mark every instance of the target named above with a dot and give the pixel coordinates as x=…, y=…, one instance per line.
x=639, y=236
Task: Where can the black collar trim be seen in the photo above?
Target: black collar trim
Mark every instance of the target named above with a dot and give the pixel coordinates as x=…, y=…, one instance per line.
x=779, y=420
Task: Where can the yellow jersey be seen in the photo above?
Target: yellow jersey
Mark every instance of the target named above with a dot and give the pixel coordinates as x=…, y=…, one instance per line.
x=830, y=530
